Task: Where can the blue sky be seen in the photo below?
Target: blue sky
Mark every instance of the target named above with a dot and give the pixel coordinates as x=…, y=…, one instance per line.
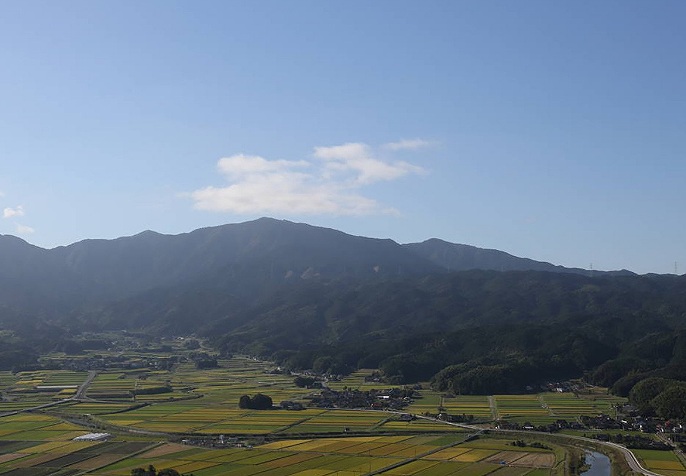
x=550, y=130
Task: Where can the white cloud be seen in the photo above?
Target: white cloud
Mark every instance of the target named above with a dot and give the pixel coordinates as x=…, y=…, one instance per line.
x=240, y=164
x=328, y=183
x=408, y=144
x=349, y=151
x=359, y=159
x=24, y=230
x=13, y=212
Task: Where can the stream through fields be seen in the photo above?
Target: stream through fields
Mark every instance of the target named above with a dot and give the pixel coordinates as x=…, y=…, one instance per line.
x=599, y=464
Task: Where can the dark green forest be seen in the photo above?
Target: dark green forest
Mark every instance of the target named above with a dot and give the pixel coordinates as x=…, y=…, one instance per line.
x=472, y=332
x=476, y=331
x=315, y=298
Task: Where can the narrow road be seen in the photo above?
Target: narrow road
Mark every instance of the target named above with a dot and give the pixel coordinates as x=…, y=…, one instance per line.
x=631, y=459
x=83, y=388
x=494, y=407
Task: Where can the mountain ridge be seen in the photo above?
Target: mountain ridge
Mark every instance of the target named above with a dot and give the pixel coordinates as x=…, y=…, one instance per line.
x=446, y=255
x=462, y=257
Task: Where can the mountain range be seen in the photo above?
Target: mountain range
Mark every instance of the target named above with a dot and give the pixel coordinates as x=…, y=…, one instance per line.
x=277, y=249
x=250, y=258
x=317, y=297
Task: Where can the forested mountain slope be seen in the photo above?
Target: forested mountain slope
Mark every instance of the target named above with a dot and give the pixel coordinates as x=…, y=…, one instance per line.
x=316, y=297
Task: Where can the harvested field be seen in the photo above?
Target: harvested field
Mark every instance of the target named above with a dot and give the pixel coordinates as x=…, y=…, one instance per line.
x=165, y=449
x=11, y=457
x=505, y=457
x=96, y=462
x=536, y=460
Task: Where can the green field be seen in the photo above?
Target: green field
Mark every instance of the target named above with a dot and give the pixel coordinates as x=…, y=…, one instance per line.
x=393, y=455
x=143, y=408
x=43, y=445
x=662, y=462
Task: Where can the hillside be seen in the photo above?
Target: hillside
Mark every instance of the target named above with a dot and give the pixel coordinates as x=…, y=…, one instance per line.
x=315, y=297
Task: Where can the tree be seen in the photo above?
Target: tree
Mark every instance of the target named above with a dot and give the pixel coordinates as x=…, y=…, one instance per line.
x=192, y=344
x=151, y=471
x=672, y=402
x=301, y=381
x=206, y=363
x=168, y=472
x=323, y=364
x=261, y=402
x=642, y=394
x=258, y=402
x=244, y=401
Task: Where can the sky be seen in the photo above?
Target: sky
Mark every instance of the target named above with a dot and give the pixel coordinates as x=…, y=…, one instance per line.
x=554, y=131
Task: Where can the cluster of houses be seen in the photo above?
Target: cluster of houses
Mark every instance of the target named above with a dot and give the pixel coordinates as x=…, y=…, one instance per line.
x=601, y=423
x=390, y=399
x=554, y=427
x=289, y=405
x=633, y=441
x=104, y=362
x=633, y=423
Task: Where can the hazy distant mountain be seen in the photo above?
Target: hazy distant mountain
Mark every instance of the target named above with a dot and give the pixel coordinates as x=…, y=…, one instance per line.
x=149, y=259
x=276, y=250
x=457, y=257
x=32, y=278
x=261, y=252
x=218, y=272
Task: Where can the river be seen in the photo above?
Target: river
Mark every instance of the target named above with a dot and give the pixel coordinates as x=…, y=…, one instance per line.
x=599, y=464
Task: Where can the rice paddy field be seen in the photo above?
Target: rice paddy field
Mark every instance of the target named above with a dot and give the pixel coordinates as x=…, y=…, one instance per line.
x=144, y=409
x=661, y=462
x=34, y=444
x=195, y=417
x=476, y=405
x=41, y=445
x=236, y=377
x=548, y=407
x=30, y=389
x=357, y=380
x=530, y=408
x=411, y=455
x=567, y=406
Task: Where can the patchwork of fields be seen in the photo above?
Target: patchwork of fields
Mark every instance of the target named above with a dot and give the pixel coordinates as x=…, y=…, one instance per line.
x=41, y=445
x=131, y=403
x=30, y=389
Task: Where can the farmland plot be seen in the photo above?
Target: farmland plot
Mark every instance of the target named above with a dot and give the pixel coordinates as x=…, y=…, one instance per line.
x=343, y=456
x=206, y=403
x=523, y=408
x=569, y=406
x=662, y=462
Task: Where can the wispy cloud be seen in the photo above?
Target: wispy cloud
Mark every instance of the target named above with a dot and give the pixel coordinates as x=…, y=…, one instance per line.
x=13, y=212
x=328, y=182
x=408, y=144
x=359, y=159
x=243, y=165
x=24, y=230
